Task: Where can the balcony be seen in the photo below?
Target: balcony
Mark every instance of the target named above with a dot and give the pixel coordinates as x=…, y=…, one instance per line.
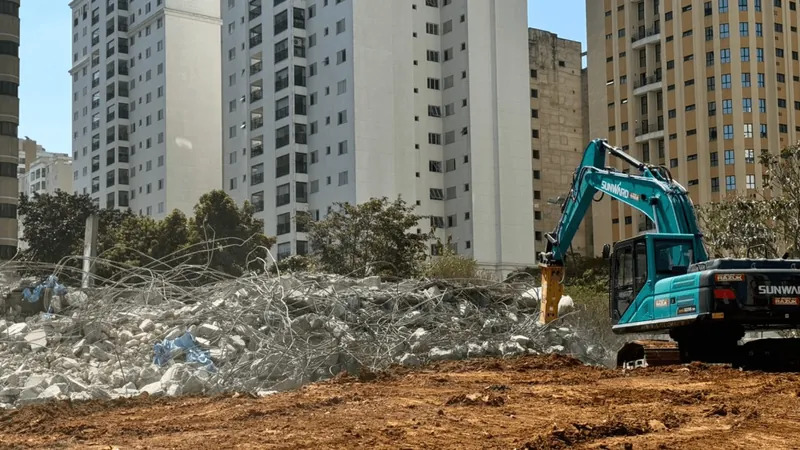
x=649, y=132
x=283, y=199
x=284, y=228
x=255, y=9
x=256, y=67
x=648, y=36
x=301, y=192
x=256, y=94
x=300, y=163
x=300, y=76
x=256, y=148
x=299, y=18
x=300, y=136
x=255, y=40
x=256, y=122
x=256, y=178
x=648, y=84
x=282, y=81
x=299, y=47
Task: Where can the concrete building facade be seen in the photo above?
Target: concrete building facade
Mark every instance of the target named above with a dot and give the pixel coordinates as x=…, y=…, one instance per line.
x=700, y=87
x=340, y=101
x=47, y=174
x=41, y=172
x=558, y=137
x=146, y=102
x=29, y=150
x=9, y=123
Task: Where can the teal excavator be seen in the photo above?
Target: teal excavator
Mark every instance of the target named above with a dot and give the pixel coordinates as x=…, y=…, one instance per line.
x=663, y=282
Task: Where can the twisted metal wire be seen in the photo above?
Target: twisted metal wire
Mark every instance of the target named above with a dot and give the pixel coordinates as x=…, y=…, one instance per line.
x=276, y=331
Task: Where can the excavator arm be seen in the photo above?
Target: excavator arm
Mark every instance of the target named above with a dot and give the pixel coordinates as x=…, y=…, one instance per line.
x=650, y=190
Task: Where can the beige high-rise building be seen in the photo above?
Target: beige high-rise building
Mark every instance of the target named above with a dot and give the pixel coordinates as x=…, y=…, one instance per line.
x=699, y=87
x=558, y=135
x=9, y=121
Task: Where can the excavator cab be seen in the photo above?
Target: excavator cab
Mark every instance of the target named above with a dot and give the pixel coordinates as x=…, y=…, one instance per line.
x=636, y=264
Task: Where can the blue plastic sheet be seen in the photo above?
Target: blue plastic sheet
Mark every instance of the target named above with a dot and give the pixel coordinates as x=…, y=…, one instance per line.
x=164, y=351
x=51, y=283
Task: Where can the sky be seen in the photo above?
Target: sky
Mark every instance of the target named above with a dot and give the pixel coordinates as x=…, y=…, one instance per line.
x=46, y=52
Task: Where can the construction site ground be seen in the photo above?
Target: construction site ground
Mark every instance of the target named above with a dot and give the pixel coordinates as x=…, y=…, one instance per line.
x=536, y=402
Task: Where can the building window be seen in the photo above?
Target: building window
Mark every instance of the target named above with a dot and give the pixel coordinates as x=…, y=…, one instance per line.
x=729, y=157
x=727, y=131
x=730, y=183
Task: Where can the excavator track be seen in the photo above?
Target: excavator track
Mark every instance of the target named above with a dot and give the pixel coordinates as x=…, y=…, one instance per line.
x=769, y=355
x=644, y=353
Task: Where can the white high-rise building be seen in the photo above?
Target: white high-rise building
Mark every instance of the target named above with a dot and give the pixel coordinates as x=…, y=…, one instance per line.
x=344, y=100
x=146, y=102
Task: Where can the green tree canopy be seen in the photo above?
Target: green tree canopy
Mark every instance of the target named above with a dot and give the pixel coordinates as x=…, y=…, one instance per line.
x=377, y=234
x=54, y=224
x=220, y=236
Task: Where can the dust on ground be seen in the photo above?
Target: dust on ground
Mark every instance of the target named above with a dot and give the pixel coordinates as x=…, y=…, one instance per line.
x=535, y=402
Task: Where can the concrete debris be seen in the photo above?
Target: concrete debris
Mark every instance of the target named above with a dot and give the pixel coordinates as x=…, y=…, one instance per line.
x=263, y=335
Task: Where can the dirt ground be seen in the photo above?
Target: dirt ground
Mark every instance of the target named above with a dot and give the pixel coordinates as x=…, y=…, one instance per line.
x=549, y=402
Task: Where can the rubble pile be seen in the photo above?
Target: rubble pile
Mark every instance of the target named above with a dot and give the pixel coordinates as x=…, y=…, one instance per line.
x=261, y=335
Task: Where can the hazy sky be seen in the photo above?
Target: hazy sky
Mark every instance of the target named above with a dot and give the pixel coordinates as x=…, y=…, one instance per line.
x=46, y=53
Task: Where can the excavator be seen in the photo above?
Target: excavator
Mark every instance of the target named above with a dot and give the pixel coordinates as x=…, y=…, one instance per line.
x=662, y=282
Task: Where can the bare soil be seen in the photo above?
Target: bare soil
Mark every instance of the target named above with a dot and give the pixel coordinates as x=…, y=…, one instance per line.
x=550, y=402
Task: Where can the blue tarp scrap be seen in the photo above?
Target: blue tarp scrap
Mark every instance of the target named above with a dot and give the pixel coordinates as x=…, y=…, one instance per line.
x=51, y=283
x=164, y=351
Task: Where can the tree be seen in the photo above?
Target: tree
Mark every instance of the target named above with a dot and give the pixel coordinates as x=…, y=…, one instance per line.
x=782, y=194
x=768, y=218
x=232, y=237
x=352, y=239
x=449, y=264
x=736, y=224
x=54, y=224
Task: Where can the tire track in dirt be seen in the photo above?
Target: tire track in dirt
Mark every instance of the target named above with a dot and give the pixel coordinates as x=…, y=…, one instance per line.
x=549, y=402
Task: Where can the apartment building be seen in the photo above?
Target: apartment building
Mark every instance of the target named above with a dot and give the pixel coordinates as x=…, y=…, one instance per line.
x=341, y=101
x=558, y=137
x=700, y=87
x=29, y=150
x=47, y=174
x=9, y=122
x=146, y=101
x=41, y=172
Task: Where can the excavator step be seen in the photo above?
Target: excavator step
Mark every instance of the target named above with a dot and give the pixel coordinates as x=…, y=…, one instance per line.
x=644, y=353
